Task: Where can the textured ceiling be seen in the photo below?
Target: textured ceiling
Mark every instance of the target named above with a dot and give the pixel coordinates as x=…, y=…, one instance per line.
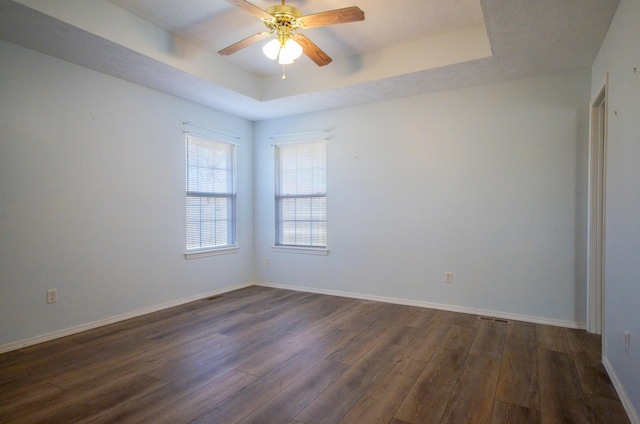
x=214, y=24
x=403, y=48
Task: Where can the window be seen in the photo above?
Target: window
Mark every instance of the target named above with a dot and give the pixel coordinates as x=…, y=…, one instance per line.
x=211, y=195
x=301, y=195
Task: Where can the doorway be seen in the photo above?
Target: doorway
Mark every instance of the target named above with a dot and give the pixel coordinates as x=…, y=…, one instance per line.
x=596, y=237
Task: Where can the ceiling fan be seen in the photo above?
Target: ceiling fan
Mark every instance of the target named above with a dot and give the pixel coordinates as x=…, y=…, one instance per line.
x=284, y=21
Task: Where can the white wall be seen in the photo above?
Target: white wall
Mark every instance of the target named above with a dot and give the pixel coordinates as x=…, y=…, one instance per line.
x=620, y=53
x=486, y=182
x=92, y=197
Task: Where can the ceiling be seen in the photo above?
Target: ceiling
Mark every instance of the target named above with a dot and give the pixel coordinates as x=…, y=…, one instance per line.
x=215, y=24
x=403, y=48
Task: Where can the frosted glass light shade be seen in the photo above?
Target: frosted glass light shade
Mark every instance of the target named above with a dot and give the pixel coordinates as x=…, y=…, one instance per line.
x=291, y=51
x=271, y=49
x=284, y=59
x=296, y=49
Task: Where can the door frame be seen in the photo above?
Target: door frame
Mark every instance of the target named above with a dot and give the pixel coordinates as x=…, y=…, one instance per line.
x=596, y=229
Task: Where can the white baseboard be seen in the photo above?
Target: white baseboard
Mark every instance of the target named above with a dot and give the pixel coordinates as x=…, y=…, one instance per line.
x=422, y=304
x=128, y=315
x=624, y=398
x=462, y=309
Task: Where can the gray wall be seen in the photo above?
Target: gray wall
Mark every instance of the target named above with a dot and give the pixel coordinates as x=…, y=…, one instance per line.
x=92, y=197
x=486, y=182
x=619, y=54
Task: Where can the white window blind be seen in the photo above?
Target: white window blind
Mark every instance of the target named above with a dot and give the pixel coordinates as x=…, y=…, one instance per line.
x=301, y=194
x=211, y=194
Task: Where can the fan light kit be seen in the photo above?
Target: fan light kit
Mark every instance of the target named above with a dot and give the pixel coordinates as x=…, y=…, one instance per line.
x=284, y=20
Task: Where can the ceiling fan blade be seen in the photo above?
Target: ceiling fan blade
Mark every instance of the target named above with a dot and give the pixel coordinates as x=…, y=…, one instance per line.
x=332, y=17
x=314, y=52
x=244, y=43
x=248, y=7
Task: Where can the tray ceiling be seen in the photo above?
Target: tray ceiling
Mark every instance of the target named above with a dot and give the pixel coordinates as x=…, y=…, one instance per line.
x=403, y=48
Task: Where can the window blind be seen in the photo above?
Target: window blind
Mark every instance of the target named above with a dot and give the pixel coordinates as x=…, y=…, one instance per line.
x=210, y=189
x=301, y=194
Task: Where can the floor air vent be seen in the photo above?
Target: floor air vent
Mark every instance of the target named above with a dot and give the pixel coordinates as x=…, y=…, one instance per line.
x=504, y=321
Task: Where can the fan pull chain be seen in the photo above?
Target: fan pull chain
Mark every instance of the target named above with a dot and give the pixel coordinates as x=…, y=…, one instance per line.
x=284, y=77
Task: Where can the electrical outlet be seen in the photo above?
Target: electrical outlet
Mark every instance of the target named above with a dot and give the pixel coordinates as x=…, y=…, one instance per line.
x=52, y=296
x=266, y=261
x=627, y=343
x=448, y=277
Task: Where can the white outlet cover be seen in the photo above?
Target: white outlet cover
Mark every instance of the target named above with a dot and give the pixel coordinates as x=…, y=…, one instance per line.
x=52, y=296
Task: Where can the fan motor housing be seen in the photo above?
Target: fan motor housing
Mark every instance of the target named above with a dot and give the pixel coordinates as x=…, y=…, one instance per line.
x=283, y=12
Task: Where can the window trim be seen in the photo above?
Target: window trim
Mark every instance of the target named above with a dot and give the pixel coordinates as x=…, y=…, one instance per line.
x=202, y=252
x=286, y=248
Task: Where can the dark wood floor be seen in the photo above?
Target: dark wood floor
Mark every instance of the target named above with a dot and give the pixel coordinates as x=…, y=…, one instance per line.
x=262, y=355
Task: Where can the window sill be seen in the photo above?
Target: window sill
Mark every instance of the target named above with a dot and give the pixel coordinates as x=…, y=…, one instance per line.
x=322, y=251
x=212, y=252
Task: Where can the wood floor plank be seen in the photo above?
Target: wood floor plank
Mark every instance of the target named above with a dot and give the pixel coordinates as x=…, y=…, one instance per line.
x=586, y=350
x=189, y=326
x=238, y=300
x=605, y=410
x=28, y=398
x=418, y=317
x=307, y=326
x=518, y=382
x=505, y=413
x=284, y=406
x=262, y=336
x=135, y=357
x=380, y=402
x=268, y=355
x=47, y=361
x=186, y=397
x=36, y=357
x=522, y=333
x=466, y=320
x=240, y=405
x=138, y=325
x=286, y=297
x=423, y=347
x=561, y=397
x=552, y=338
x=218, y=314
x=276, y=312
x=365, y=340
x=459, y=336
x=367, y=315
x=471, y=400
x=593, y=376
x=428, y=397
x=174, y=405
x=220, y=359
x=582, y=342
x=259, y=363
x=490, y=339
x=75, y=405
x=338, y=399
